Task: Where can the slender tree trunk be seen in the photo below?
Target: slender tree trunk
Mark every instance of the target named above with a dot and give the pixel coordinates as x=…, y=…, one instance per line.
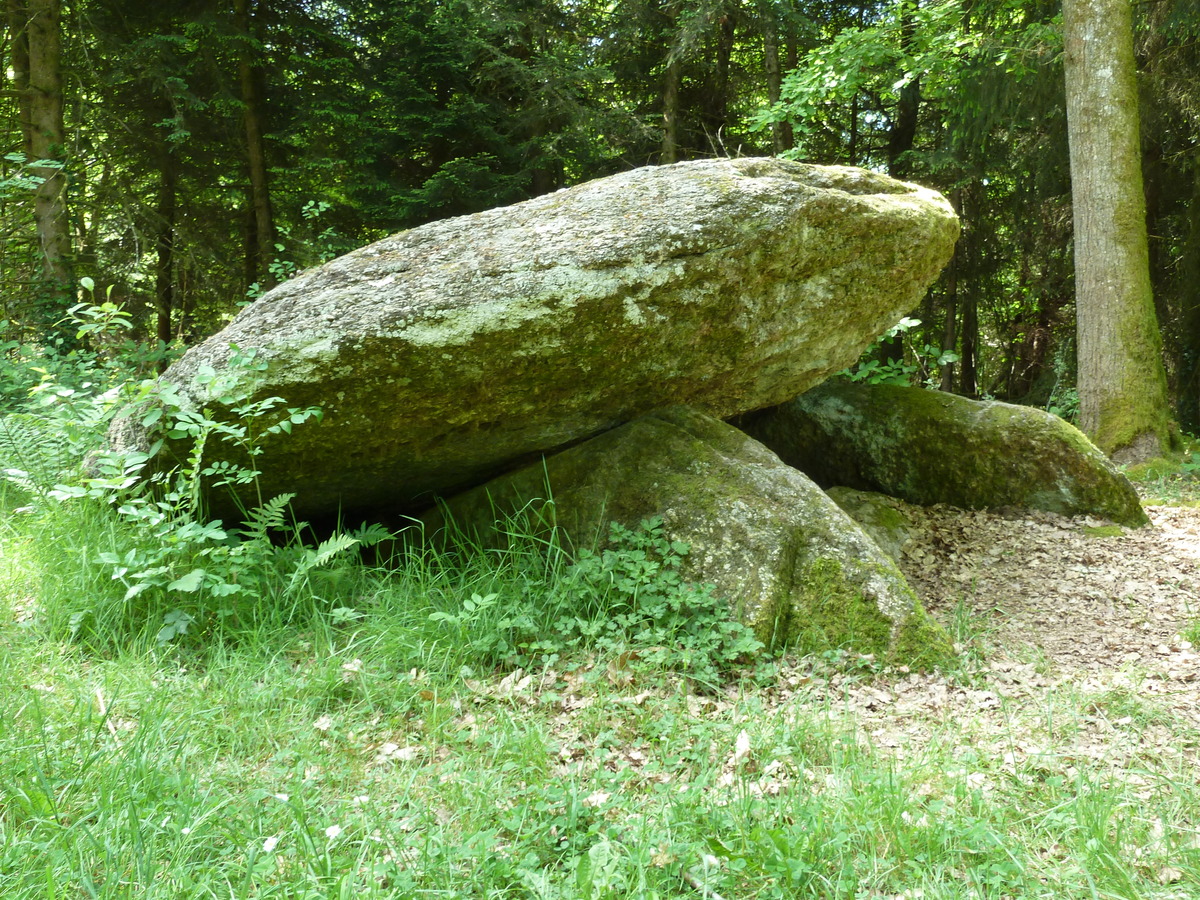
x=774, y=77
x=1188, y=404
x=670, y=135
x=47, y=141
x=252, y=120
x=949, y=329
x=903, y=131
x=968, y=379
x=718, y=115
x=164, y=275
x=791, y=59
x=18, y=55
x=1123, y=403
x=853, y=142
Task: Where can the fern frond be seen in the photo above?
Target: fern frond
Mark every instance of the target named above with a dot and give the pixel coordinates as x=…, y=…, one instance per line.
x=35, y=453
x=271, y=514
x=328, y=550
x=325, y=553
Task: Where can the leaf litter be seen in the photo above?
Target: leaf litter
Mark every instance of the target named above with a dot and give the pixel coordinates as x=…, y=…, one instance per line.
x=1049, y=614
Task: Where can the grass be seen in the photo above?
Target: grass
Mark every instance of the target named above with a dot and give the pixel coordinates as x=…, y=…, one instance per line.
x=365, y=747
x=1171, y=481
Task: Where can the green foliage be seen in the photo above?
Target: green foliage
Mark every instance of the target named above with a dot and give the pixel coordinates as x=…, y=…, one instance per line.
x=34, y=453
x=298, y=249
x=919, y=363
x=198, y=576
x=1170, y=481
x=627, y=603
x=875, y=59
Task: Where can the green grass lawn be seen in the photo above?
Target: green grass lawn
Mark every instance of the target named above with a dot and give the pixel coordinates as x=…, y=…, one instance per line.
x=393, y=736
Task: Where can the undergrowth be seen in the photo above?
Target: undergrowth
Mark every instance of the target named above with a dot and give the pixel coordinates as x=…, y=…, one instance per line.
x=195, y=709
x=1170, y=482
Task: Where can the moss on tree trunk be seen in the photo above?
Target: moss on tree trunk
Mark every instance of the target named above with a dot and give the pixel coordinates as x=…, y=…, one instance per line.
x=1122, y=383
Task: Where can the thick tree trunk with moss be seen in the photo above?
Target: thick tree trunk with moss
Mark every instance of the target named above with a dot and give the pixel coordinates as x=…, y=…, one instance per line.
x=1123, y=403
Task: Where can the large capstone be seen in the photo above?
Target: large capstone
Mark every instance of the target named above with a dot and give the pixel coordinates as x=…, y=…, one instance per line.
x=445, y=354
x=791, y=564
x=930, y=447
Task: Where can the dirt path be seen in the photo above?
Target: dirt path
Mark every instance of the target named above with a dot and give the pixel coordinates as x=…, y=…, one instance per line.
x=1075, y=640
x=1093, y=604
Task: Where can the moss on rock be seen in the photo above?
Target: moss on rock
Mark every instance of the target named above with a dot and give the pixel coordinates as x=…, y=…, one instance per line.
x=452, y=352
x=792, y=565
x=930, y=447
x=888, y=520
x=835, y=613
x=921, y=643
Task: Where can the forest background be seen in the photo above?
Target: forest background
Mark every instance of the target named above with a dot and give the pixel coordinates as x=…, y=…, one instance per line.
x=204, y=151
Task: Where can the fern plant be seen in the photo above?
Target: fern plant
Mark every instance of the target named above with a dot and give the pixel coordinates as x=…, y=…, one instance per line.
x=191, y=574
x=34, y=454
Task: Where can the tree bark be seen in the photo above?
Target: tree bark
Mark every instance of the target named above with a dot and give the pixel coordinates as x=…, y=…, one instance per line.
x=1188, y=389
x=903, y=131
x=47, y=140
x=791, y=59
x=718, y=106
x=672, y=81
x=164, y=274
x=950, y=324
x=18, y=43
x=256, y=157
x=1123, y=402
x=774, y=77
x=669, y=152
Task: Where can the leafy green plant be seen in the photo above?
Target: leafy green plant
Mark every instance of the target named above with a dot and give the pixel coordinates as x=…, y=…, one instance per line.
x=919, y=364
x=315, y=248
x=196, y=575
x=1064, y=403
x=628, y=602
x=179, y=553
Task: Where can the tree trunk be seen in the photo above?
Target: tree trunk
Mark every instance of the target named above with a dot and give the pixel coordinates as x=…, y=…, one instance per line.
x=1188, y=393
x=1123, y=403
x=949, y=328
x=18, y=56
x=791, y=59
x=903, y=131
x=718, y=106
x=670, y=136
x=774, y=77
x=164, y=270
x=252, y=120
x=46, y=140
x=967, y=378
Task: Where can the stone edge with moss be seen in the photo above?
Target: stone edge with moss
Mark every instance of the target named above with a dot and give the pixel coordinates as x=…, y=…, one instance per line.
x=726, y=496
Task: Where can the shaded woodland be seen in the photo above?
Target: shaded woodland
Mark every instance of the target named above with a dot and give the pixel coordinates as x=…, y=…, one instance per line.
x=183, y=157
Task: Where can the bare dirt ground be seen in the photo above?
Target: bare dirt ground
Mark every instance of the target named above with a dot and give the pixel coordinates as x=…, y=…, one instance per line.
x=1075, y=644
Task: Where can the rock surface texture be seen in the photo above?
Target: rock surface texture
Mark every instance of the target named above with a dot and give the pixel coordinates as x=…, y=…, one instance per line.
x=887, y=520
x=447, y=353
x=790, y=562
x=930, y=447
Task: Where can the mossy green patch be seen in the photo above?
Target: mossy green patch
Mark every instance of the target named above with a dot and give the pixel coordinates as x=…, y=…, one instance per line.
x=921, y=643
x=1103, y=531
x=929, y=447
x=831, y=613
